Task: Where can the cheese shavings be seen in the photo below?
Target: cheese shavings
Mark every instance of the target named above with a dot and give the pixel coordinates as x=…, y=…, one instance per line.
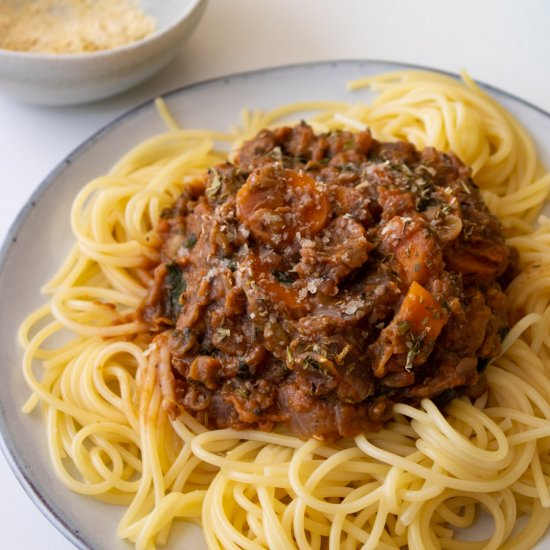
x=71, y=26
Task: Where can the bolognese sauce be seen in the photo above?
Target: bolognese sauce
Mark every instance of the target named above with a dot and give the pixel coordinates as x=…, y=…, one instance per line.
x=318, y=279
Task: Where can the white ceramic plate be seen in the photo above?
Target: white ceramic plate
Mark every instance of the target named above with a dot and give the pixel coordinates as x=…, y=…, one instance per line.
x=40, y=239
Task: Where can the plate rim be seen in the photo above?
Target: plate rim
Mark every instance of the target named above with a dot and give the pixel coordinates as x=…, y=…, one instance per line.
x=72, y=533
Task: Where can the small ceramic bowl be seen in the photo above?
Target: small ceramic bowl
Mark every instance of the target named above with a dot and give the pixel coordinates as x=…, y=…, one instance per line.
x=64, y=79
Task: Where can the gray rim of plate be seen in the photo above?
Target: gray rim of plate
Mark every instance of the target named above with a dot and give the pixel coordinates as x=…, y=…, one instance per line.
x=71, y=532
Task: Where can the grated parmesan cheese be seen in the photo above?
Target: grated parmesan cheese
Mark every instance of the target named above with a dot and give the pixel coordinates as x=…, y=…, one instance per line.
x=313, y=285
x=302, y=293
x=71, y=26
x=352, y=307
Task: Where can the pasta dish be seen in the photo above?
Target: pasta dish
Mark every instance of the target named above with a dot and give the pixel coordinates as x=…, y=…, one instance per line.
x=325, y=328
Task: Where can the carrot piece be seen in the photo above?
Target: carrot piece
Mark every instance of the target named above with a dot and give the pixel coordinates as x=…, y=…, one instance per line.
x=486, y=260
x=411, y=247
x=276, y=203
x=422, y=313
x=281, y=293
x=314, y=213
x=413, y=330
x=413, y=256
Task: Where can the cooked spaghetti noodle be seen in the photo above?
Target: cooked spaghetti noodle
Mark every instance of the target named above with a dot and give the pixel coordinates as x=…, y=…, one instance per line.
x=416, y=483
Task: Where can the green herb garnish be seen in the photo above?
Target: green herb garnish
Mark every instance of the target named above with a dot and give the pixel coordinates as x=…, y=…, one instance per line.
x=403, y=327
x=311, y=364
x=284, y=277
x=289, y=357
x=175, y=286
x=191, y=241
x=414, y=346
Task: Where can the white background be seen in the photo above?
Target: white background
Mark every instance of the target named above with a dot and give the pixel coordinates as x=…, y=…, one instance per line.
x=505, y=43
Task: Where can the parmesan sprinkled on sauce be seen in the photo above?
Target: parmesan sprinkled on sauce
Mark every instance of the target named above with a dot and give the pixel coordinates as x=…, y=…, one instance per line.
x=353, y=306
x=71, y=26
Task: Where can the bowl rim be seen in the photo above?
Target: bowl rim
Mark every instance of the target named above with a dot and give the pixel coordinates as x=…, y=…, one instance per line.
x=190, y=9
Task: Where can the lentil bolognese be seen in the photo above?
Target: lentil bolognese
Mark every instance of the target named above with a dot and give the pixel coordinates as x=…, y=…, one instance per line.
x=319, y=279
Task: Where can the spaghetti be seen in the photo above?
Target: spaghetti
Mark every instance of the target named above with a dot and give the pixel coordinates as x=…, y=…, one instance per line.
x=416, y=483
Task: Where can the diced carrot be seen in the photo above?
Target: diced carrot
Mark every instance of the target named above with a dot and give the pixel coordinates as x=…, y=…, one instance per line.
x=418, y=323
x=411, y=247
x=413, y=256
x=422, y=312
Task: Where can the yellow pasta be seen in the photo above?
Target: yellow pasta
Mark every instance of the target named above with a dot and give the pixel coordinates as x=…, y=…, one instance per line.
x=416, y=483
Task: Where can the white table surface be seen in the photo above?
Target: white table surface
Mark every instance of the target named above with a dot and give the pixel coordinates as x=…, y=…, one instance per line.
x=505, y=43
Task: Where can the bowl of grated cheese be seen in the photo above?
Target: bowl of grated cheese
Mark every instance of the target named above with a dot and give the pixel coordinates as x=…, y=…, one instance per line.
x=62, y=52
